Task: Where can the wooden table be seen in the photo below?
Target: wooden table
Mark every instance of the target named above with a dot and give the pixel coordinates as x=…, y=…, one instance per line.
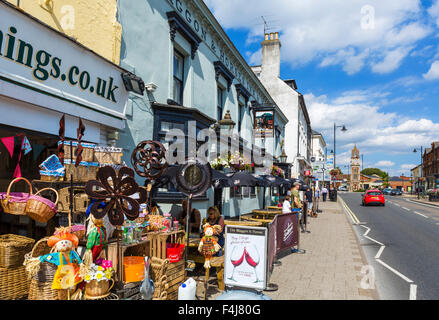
x=263, y=214
x=243, y=223
x=274, y=208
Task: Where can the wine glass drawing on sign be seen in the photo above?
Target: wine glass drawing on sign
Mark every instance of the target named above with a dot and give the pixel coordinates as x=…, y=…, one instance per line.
x=252, y=257
x=236, y=258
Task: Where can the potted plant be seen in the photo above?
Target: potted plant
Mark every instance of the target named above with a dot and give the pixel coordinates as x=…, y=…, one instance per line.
x=98, y=279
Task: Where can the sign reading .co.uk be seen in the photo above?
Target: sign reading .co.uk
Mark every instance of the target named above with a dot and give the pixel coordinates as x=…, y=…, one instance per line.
x=36, y=57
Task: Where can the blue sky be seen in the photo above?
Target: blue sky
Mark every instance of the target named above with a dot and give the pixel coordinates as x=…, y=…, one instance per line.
x=371, y=65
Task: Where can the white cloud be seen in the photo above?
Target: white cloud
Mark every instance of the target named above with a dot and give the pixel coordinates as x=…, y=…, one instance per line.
x=433, y=73
x=407, y=167
x=385, y=164
x=434, y=12
x=391, y=61
x=369, y=127
x=332, y=32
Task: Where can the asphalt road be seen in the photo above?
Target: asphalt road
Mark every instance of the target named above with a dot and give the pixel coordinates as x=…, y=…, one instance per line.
x=401, y=243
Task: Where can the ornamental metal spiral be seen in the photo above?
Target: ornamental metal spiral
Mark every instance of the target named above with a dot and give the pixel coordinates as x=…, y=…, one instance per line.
x=149, y=159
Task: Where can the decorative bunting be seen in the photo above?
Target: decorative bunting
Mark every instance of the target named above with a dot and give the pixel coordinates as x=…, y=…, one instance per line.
x=38, y=148
x=26, y=146
x=9, y=144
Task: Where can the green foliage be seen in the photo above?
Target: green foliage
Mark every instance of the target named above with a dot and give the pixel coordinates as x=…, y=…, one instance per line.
x=360, y=190
x=372, y=171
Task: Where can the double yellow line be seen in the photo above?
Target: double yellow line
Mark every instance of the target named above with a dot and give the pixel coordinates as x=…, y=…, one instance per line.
x=349, y=211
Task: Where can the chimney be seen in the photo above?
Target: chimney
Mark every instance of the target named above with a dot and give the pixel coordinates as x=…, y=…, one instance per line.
x=271, y=55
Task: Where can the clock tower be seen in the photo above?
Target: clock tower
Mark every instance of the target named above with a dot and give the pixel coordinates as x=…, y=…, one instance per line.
x=355, y=170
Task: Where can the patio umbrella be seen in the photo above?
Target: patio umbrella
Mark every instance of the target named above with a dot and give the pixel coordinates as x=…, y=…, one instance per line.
x=220, y=180
x=277, y=181
x=242, y=178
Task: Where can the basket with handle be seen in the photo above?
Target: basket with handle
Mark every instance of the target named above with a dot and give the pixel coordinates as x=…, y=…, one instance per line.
x=13, y=248
x=41, y=282
x=15, y=202
x=41, y=209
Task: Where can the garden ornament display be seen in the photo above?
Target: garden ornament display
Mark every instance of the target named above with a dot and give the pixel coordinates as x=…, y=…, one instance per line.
x=208, y=245
x=147, y=286
x=118, y=189
x=149, y=159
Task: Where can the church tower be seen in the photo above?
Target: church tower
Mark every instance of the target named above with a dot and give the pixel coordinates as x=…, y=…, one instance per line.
x=355, y=170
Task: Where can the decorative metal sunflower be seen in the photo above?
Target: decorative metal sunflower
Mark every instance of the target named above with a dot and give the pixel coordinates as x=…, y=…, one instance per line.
x=149, y=159
x=116, y=193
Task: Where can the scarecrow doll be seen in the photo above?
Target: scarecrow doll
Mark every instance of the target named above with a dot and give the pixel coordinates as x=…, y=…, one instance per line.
x=208, y=245
x=64, y=256
x=96, y=241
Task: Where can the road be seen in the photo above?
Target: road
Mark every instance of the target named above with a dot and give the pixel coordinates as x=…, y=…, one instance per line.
x=401, y=243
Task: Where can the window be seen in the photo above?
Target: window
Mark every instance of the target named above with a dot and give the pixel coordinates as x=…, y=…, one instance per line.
x=240, y=116
x=178, y=78
x=220, y=103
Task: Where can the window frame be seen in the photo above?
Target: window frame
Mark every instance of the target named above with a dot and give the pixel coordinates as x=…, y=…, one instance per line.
x=179, y=57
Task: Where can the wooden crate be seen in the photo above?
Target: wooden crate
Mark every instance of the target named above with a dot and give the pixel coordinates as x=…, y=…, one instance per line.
x=176, y=276
x=159, y=240
x=140, y=249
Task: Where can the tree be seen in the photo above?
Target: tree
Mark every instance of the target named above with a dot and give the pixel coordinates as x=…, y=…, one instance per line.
x=371, y=171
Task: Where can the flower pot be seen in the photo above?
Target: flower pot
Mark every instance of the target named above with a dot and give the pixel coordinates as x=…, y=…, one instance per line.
x=98, y=289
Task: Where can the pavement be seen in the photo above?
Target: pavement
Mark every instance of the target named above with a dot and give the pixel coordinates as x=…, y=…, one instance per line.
x=400, y=242
x=330, y=269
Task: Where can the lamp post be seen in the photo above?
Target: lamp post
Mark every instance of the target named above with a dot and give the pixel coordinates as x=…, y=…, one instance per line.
x=416, y=150
x=343, y=129
x=283, y=157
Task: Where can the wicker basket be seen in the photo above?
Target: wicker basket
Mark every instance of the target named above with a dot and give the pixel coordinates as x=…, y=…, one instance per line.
x=15, y=203
x=105, y=155
x=81, y=173
x=14, y=283
x=13, y=248
x=158, y=269
x=41, y=209
x=87, y=153
x=50, y=178
x=80, y=200
x=41, y=283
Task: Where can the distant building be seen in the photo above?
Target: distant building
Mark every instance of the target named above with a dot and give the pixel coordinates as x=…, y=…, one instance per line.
x=292, y=104
x=355, y=181
x=430, y=166
x=401, y=183
x=416, y=175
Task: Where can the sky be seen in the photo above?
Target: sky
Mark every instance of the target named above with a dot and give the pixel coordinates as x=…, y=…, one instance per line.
x=371, y=65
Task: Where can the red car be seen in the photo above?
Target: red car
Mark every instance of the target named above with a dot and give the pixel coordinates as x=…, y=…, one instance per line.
x=373, y=196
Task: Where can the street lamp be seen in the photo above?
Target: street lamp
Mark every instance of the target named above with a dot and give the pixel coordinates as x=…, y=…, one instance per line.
x=133, y=83
x=343, y=129
x=227, y=123
x=416, y=150
x=283, y=157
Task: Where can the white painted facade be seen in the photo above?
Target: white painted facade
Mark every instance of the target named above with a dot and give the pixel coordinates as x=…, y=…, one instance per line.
x=318, y=146
x=291, y=103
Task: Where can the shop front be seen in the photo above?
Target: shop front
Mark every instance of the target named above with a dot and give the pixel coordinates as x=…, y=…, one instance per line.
x=43, y=76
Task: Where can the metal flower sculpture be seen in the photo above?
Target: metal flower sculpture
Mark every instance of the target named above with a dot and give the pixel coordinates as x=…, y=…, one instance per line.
x=149, y=159
x=116, y=193
x=62, y=129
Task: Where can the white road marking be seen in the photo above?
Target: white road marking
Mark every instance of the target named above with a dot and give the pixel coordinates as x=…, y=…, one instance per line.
x=379, y=252
x=395, y=271
x=405, y=208
x=423, y=204
x=396, y=204
x=423, y=215
x=413, y=289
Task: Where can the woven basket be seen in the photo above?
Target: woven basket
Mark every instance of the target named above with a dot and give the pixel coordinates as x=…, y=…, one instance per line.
x=41, y=209
x=15, y=203
x=87, y=153
x=41, y=283
x=14, y=283
x=80, y=200
x=108, y=157
x=81, y=173
x=13, y=248
x=158, y=269
x=50, y=178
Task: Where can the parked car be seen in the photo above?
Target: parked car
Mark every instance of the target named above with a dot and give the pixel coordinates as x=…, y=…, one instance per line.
x=373, y=197
x=342, y=188
x=396, y=192
x=387, y=191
